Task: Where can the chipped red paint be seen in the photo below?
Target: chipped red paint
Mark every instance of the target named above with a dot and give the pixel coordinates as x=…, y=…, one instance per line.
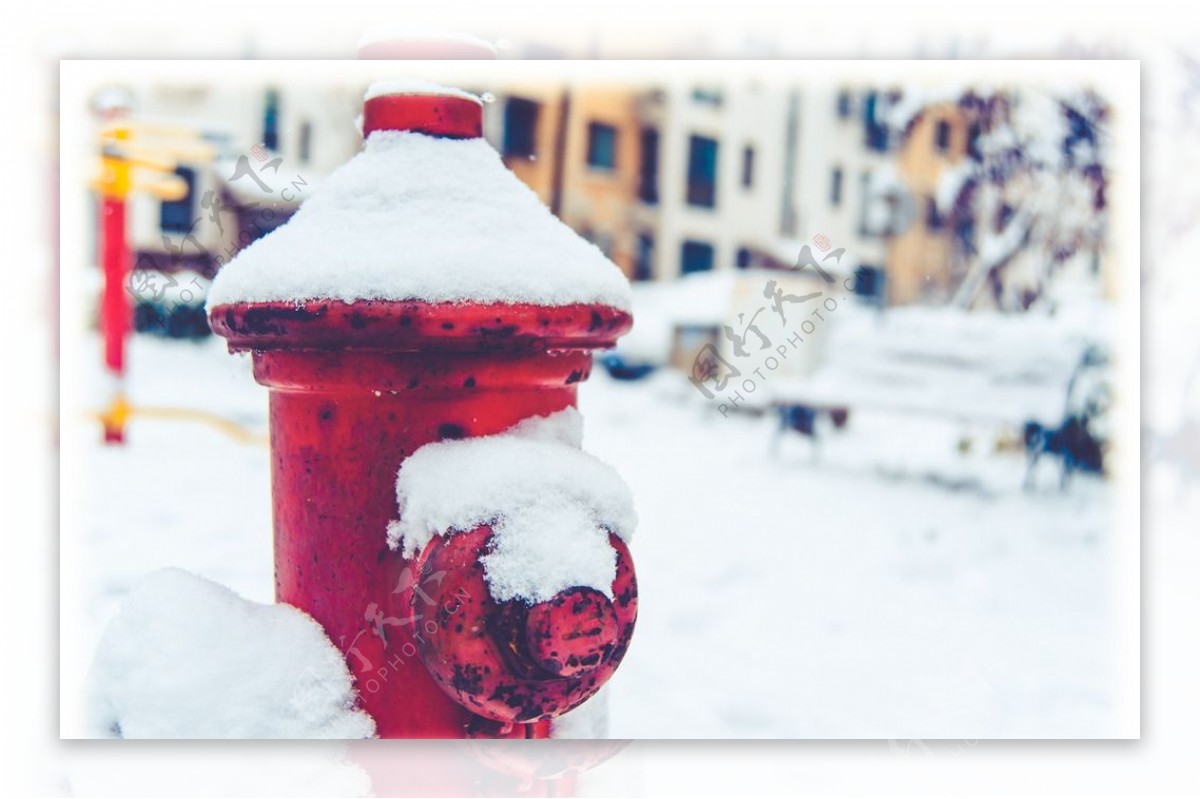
x=508, y=661
x=400, y=326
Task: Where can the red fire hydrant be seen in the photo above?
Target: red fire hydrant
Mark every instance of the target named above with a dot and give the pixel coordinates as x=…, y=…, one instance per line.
x=357, y=385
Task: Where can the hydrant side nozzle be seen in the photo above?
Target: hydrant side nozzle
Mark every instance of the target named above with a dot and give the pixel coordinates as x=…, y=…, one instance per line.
x=507, y=662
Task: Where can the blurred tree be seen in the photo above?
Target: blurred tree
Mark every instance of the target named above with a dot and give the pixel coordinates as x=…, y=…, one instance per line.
x=1032, y=189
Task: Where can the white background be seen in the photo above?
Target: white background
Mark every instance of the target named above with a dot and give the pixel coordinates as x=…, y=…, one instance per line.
x=36, y=762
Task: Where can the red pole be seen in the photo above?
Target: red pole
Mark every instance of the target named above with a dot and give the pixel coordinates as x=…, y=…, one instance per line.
x=115, y=311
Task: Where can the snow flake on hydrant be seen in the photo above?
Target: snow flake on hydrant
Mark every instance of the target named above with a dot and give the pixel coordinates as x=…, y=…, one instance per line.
x=551, y=507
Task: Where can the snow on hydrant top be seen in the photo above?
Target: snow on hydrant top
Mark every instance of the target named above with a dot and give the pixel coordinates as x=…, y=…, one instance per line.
x=425, y=218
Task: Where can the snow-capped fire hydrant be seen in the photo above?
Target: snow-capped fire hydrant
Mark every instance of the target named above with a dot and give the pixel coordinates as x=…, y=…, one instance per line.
x=425, y=295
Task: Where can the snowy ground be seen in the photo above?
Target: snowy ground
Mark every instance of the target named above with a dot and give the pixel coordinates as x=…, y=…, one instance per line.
x=884, y=586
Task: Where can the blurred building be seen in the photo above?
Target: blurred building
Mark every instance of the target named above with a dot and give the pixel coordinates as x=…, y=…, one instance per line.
x=673, y=180
x=273, y=145
x=846, y=186
x=920, y=250
x=667, y=179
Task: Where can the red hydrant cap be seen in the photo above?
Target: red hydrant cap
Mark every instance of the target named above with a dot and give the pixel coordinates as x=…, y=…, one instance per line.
x=423, y=108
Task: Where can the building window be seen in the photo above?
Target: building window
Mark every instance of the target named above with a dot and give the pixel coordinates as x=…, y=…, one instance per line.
x=788, y=216
x=520, y=127
x=933, y=216
x=843, y=104
x=178, y=216
x=696, y=256
x=864, y=220
x=870, y=282
x=941, y=136
x=270, y=134
x=875, y=126
x=835, y=187
x=305, y=146
x=747, y=167
x=648, y=168
x=643, y=264
x=602, y=146
x=743, y=258
x=702, y=172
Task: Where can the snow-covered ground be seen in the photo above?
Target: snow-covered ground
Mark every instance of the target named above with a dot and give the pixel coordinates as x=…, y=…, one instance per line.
x=883, y=586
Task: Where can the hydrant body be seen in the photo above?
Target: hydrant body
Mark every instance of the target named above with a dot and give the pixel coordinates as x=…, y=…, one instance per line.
x=355, y=389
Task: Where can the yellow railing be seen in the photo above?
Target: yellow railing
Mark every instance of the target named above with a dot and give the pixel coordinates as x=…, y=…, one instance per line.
x=122, y=411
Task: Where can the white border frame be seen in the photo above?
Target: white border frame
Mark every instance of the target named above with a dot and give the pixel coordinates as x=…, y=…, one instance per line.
x=1118, y=80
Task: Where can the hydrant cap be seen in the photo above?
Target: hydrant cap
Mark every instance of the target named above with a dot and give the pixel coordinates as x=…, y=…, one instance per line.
x=422, y=107
x=424, y=236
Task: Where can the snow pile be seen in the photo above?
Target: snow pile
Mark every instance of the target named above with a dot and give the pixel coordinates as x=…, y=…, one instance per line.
x=550, y=504
x=952, y=363
x=188, y=658
x=414, y=217
x=564, y=427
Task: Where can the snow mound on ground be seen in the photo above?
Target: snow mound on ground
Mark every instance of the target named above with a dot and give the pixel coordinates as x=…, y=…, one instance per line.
x=413, y=217
x=550, y=504
x=188, y=658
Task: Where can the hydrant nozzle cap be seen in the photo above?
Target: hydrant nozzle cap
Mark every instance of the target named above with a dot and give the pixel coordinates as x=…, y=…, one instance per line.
x=422, y=107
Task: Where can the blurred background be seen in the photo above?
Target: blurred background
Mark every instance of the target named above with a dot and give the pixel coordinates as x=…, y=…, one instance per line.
x=866, y=408
x=977, y=197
